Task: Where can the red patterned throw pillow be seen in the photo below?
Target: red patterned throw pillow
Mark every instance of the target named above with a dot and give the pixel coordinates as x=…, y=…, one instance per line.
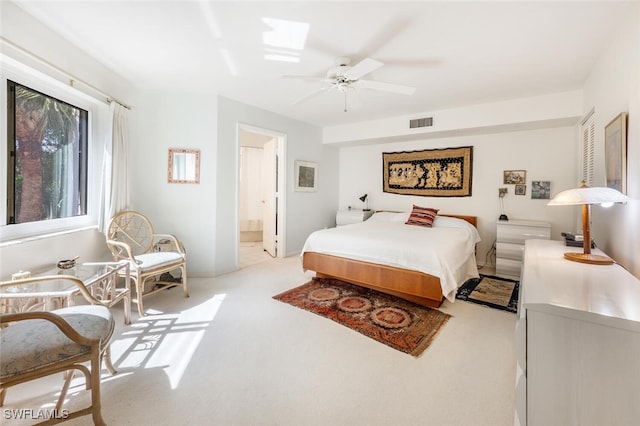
x=422, y=216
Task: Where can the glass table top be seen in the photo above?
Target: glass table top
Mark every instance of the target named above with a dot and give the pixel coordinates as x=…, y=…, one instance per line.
x=89, y=273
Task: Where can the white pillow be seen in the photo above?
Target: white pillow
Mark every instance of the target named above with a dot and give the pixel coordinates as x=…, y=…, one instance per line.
x=389, y=217
x=454, y=222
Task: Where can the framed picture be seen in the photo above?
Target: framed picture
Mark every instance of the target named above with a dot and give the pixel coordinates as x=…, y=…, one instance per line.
x=306, y=176
x=430, y=172
x=183, y=166
x=518, y=177
x=615, y=145
x=541, y=189
x=520, y=189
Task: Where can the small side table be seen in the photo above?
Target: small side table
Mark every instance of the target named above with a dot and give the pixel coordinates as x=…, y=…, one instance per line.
x=100, y=278
x=347, y=217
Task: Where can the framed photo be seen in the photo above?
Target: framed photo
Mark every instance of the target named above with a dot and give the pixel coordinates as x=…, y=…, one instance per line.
x=541, y=189
x=306, y=176
x=615, y=145
x=518, y=177
x=520, y=189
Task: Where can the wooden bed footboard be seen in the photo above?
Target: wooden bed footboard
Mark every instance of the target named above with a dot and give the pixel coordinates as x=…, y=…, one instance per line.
x=411, y=285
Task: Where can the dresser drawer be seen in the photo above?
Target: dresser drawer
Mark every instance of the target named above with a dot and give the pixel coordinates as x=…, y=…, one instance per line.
x=509, y=251
x=521, y=399
x=518, y=233
x=508, y=268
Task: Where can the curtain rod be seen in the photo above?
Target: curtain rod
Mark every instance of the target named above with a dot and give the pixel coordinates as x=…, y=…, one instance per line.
x=72, y=79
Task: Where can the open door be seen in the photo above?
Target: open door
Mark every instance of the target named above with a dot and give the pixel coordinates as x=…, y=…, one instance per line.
x=270, y=197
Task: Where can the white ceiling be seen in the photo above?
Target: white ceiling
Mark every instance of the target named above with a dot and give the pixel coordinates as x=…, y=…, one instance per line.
x=454, y=53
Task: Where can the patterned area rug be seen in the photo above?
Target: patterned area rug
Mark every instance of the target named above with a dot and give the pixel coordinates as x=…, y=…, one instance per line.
x=495, y=292
x=400, y=324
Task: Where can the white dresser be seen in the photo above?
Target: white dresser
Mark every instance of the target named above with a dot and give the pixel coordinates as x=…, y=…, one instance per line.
x=577, y=341
x=346, y=217
x=510, y=238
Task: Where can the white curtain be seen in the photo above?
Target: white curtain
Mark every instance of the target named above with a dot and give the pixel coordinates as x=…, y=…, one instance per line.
x=251, y=196
x=115, y=168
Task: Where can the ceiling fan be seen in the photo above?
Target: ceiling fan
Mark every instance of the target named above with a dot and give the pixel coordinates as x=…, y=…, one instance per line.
x=343, y=78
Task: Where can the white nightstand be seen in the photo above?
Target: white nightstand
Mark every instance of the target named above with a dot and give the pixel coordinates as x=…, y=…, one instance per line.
x=510, y=238
x=346, y=217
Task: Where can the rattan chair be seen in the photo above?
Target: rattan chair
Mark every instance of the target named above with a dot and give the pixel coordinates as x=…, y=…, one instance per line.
x=130, y=236
x=34, y=345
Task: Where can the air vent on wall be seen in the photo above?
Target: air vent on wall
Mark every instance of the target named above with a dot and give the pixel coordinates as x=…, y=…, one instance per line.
x=421, y=122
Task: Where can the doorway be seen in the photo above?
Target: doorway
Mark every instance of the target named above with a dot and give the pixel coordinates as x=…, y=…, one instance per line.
x=260, y=200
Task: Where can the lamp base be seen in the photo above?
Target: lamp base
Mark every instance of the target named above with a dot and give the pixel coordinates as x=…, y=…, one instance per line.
x=592, y=259
x=503, y=217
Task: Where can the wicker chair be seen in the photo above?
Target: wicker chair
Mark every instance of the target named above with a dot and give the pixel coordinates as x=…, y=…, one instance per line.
x=130, y=236
x=102, y=293
x=38, y=344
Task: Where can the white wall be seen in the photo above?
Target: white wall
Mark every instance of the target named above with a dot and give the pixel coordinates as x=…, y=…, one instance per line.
x=177, y=120
x=614, y=87
x=551, y=110
x=547, y=154
x=305, y=211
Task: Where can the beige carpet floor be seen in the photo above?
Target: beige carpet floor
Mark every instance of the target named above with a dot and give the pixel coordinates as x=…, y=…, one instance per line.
x=232, y=355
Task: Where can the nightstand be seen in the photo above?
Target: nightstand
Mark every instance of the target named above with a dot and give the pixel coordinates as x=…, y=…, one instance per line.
x=510, y=238
x=347, y=217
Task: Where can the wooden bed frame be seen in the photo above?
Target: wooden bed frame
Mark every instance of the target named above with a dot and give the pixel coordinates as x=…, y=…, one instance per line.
x=416, y=286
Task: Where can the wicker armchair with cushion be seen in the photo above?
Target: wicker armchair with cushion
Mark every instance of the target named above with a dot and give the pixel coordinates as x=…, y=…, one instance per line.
x=37, y=344
x=130, y=236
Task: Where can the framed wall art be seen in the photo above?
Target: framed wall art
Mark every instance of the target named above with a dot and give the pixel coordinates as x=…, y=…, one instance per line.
x=615, y=145
x=183, y=166
x=306, y=176
x=540, y=189
x=432, y=172
x=520, y=189
x=518, y=177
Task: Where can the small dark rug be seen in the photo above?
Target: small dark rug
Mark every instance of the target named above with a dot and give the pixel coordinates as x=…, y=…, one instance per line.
x=398, y=323
x=495, y=292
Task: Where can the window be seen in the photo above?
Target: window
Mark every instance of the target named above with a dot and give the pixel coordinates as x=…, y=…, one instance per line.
x=47, y=157
x=587, y=148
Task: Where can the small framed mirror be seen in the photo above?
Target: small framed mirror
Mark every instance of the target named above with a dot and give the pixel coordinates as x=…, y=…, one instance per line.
x=184, y=165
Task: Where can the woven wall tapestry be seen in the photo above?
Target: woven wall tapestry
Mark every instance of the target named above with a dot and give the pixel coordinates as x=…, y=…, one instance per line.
x=432, y=172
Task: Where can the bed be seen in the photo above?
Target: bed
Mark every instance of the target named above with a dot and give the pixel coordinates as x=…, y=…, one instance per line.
x=423, y=264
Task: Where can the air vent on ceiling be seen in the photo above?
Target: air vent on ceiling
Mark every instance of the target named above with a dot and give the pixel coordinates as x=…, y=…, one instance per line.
x=421, y=122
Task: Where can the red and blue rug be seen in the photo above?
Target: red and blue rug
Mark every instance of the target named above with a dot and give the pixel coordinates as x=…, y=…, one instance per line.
x=398, y=323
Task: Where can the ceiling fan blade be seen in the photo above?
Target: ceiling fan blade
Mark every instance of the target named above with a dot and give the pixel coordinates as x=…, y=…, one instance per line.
x=311, y=95
x=363, y=68
x=386, y=87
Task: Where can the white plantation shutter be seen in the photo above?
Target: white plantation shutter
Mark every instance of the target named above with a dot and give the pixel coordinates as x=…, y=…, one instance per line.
x=588, y=147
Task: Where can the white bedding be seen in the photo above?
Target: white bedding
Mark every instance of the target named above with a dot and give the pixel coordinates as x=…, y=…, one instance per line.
x=446, y=250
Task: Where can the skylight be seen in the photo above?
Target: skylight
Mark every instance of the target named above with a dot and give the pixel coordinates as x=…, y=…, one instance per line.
x=285, y=39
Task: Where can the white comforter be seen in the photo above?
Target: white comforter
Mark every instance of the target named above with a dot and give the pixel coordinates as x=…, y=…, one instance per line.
x=446, y=250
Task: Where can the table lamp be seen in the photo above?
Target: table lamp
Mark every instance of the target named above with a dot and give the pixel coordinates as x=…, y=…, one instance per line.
x=364, y=198
x=585, y=196
x=501, y=193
